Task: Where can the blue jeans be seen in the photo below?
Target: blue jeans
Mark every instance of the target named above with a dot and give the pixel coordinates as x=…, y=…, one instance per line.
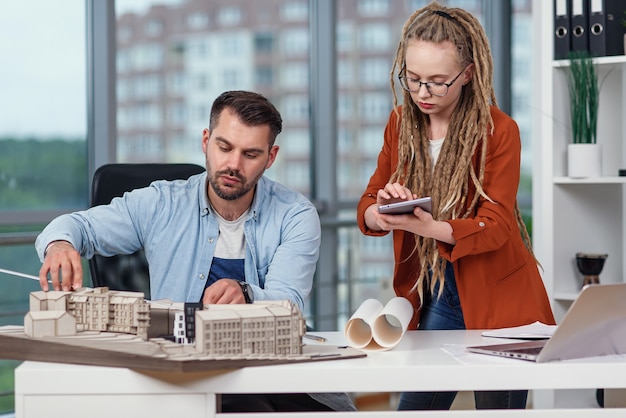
x=441, y=314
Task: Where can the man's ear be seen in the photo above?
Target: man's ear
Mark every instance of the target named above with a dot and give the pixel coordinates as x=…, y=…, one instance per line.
x=271, y=156
x=206, y=134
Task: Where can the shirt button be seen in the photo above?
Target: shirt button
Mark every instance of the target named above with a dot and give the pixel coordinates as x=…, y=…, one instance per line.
x=210, y=240
x=205, y=211
x=201, y=276
x=481, y=224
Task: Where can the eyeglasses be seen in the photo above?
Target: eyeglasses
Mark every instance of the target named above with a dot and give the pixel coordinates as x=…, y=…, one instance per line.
x=435, y=88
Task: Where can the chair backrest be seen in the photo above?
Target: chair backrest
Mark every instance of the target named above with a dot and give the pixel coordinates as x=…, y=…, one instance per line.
x=128, y=272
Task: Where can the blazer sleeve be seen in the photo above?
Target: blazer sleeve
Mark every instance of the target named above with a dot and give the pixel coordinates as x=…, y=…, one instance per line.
x=387, y=161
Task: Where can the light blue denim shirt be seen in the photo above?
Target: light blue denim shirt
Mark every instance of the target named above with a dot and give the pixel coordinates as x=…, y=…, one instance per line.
x=174, y=224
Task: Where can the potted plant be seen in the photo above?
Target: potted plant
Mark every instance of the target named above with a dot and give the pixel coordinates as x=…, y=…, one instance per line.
x=583, y=154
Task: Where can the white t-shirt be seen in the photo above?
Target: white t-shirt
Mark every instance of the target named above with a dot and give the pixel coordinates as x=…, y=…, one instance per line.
x=230, y=250
x=435, y=149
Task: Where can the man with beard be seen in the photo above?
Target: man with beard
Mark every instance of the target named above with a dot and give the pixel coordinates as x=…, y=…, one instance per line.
x=229, y=235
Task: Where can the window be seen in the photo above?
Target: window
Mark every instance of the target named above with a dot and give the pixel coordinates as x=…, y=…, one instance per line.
x=176, y=83
x=42, y=137
x=177, y=114
x=146, y=57
x=295, y=41
x=200, y=81
x=231, y=79
x=154, y=27
x=375, y=37
x=43, y=131
x=294, y=74
x=147, y=116
x=295, y=11
x=231, y=45
x=244, y=53
x=371, y=141
x=199, y=48
x=123, y=60
x=374, y=107
x=374, y=73
x=229, y=16
x=264, y=76
x=124, y=88
x=197, y=20
x=376, y=8
x=147, y=86
x=295, y=108
x=299, y=175
x=264, y=42
x=124, y=33
x=298, y=143
x=345, y=41
x=346, y=74
x=345, y=108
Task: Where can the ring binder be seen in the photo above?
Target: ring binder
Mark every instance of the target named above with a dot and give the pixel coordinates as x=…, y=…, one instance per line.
x=562, y=32
x=606, y=32
x=580, y=23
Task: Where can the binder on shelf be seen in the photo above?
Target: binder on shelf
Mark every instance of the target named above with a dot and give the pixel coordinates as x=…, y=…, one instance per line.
x=562, y=32
x=580, y=25
x=606, y=32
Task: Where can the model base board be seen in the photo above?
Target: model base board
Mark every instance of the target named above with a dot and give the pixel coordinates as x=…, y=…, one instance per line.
x=125, y=350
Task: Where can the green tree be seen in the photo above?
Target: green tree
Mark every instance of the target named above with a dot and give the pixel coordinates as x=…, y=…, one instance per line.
x=42, y=174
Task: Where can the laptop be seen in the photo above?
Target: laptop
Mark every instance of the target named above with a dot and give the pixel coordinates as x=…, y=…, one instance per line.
x=594, y=325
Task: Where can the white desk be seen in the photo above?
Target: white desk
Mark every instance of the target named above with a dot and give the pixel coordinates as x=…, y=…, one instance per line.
x=418, y=363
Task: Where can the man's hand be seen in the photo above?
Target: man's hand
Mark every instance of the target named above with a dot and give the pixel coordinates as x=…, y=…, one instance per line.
x=63, y=263
x=223, y=291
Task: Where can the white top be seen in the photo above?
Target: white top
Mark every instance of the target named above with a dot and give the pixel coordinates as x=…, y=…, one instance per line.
x=435, y=149
x=231, y=243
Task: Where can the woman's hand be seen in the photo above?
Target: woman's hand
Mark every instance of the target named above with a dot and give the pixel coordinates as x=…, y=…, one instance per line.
x=391, y=193
x=419, y=222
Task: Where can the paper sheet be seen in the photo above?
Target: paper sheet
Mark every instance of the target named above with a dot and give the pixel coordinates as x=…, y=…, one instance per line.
x=460, y=354
x=374, y=327
x=535, y=331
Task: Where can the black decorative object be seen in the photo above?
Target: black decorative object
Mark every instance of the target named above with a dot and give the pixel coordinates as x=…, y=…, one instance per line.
x=590, y=266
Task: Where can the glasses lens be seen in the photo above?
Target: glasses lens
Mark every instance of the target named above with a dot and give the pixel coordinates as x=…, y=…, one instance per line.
x=437, y=89
x=403, y=83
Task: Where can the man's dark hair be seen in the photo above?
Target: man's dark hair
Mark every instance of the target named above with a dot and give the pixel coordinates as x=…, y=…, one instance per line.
x=252, y=108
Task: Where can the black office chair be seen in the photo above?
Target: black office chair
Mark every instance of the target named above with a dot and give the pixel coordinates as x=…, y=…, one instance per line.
x=128, y=272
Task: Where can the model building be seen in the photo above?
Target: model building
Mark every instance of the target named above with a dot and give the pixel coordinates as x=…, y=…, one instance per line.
x=250, y=329
x=232, y=330
x=92, y=309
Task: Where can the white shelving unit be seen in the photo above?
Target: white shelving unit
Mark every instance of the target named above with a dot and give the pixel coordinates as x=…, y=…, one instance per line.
x=575, y=215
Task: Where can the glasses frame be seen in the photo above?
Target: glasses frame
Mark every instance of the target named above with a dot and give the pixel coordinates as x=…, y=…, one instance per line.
x=403, y=83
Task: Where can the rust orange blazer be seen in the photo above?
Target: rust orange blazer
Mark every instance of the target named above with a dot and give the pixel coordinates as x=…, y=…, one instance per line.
x=498, y=279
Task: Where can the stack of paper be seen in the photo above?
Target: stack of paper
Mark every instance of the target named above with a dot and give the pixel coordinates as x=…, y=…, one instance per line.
x=535, y=331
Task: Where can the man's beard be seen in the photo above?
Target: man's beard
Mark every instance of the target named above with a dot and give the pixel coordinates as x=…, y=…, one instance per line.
x=228, y=193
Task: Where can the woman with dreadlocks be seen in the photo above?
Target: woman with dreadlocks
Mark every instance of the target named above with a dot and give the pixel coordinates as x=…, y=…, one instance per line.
x=469, y=264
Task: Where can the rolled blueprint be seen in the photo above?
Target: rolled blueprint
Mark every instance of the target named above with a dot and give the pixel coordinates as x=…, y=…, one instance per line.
x=374, y=327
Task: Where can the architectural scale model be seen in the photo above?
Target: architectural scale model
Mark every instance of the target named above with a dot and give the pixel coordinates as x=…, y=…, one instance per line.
x=52, y=313
x=262, y=328
x=259, y=328
x=270, y=327
x=102, y=327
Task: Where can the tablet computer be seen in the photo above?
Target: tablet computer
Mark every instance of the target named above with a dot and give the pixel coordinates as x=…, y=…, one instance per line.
x=407, y=206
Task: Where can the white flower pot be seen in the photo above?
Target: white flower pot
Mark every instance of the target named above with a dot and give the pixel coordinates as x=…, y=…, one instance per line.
x=584, y=160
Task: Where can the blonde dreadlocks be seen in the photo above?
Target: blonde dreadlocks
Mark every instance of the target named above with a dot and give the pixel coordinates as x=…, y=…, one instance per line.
x=449, y=183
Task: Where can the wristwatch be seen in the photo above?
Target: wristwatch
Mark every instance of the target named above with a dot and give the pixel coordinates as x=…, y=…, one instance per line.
x=247, y=292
